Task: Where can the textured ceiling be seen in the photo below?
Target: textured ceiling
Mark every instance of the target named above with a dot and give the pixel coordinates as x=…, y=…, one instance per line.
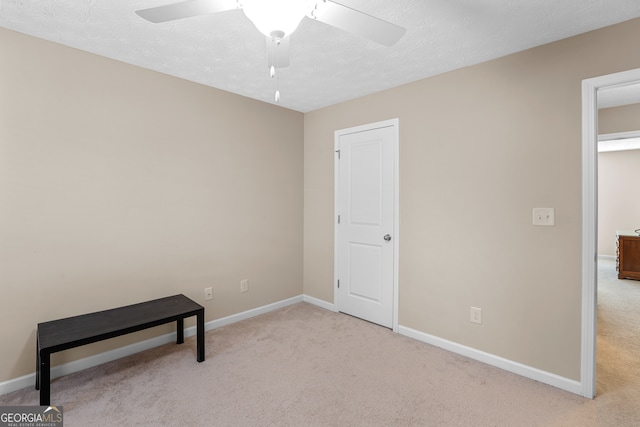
x=327, y=65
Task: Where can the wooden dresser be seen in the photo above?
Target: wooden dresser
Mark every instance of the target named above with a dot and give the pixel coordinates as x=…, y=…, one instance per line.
x=628, y=255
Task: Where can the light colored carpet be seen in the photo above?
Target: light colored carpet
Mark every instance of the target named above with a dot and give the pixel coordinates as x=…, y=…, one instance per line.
x=306, y=366
x=618, y=347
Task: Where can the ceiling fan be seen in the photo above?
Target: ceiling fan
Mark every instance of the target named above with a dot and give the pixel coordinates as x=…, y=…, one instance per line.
x=277, y=19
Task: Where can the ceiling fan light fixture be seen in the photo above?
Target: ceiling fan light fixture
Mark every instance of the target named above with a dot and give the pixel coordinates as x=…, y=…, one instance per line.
x=275, y=18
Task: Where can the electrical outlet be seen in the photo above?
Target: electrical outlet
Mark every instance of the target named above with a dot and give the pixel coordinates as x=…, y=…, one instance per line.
x=244, y=285
x=476, y=315
x=208, y=293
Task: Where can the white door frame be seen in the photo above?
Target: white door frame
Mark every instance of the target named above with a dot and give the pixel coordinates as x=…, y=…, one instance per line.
x=395, y=123
x=590, y=89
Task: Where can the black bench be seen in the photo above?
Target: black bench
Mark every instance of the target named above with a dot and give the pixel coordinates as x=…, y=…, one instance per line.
x=71, y=332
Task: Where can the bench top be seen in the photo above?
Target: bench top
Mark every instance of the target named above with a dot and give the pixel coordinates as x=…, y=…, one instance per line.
x=62, y=334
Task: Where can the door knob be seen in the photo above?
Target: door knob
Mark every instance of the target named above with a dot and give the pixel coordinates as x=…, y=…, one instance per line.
x=387, y=237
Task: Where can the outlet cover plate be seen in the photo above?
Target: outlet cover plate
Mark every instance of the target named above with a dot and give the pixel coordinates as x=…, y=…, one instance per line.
x=476, y=315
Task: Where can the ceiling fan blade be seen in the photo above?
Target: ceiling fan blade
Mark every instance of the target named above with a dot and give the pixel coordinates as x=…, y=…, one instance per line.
x=277, y=54
x=358, y=23
x=186, y=9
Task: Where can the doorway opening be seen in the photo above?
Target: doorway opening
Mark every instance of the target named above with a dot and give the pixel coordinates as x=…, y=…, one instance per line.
x=592, y=90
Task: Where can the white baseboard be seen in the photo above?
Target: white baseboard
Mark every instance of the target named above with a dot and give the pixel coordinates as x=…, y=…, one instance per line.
x=108, y=356
x=554, y=380
x=320, y=303
x=95, y=360
x=218, y=323
x=499, y=362
x=607, y=257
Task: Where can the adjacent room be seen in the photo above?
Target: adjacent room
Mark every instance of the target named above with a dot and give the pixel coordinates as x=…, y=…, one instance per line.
x=197, y=156
x=618, y=285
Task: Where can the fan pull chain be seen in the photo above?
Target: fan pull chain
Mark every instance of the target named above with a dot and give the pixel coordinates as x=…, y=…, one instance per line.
x=272, y=72
x=277, y=87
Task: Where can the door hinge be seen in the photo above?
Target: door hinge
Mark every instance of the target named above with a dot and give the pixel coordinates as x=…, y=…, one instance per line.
x=338, y=219
x=338, y=283
x=338, y=151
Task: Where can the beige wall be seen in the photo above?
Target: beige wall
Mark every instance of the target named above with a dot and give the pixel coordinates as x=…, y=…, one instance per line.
x=618, y=178
x=118, y=185
x=479, y=148
x=618, y=196
x=625, y=118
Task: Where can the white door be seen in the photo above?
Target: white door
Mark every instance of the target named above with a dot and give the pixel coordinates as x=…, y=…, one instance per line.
x=366, y=232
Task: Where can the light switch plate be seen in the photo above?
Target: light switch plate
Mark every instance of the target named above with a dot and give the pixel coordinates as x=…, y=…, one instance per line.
x=544, y=216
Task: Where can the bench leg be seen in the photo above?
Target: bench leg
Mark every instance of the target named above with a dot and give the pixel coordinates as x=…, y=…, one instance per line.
x=37, y=364
x=200, y=335
x=45, y=378
x=180, y=331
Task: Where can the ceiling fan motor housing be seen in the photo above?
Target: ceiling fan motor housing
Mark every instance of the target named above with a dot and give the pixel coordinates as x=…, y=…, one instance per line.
x=277, y=35
x=276, y=18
